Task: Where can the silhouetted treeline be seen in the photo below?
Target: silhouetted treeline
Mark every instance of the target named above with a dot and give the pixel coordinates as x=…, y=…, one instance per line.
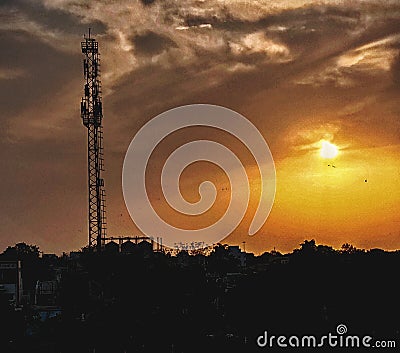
x=146, y=301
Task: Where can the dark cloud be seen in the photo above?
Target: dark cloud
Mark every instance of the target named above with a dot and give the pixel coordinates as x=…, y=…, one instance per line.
x=42, y=70
x=52, y=19
x=147, y=2
x=396, y=71
x=151, y=43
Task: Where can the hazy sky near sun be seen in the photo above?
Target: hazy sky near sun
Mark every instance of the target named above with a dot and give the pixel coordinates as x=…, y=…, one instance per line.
x=301, y=71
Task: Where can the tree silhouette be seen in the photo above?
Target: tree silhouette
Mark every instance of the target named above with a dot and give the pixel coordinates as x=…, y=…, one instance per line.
x=22, y=251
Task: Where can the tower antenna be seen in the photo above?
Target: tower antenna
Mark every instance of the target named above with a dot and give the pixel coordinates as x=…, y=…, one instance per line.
x=92, y=116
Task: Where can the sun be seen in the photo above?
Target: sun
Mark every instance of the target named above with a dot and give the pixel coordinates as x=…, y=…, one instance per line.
x=328, y=150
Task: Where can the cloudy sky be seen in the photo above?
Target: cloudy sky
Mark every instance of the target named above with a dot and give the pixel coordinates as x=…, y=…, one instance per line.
x=301, y=71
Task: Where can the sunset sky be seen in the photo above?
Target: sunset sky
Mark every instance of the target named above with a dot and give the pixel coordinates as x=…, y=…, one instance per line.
x=302, y=72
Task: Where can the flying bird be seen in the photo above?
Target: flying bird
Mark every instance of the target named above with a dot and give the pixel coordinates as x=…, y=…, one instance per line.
x=331, y=165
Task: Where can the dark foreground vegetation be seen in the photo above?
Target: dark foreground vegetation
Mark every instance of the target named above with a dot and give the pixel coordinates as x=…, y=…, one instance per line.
x=145, y=301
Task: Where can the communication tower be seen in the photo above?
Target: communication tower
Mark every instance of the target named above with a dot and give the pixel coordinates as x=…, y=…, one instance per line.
x=92, y=116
